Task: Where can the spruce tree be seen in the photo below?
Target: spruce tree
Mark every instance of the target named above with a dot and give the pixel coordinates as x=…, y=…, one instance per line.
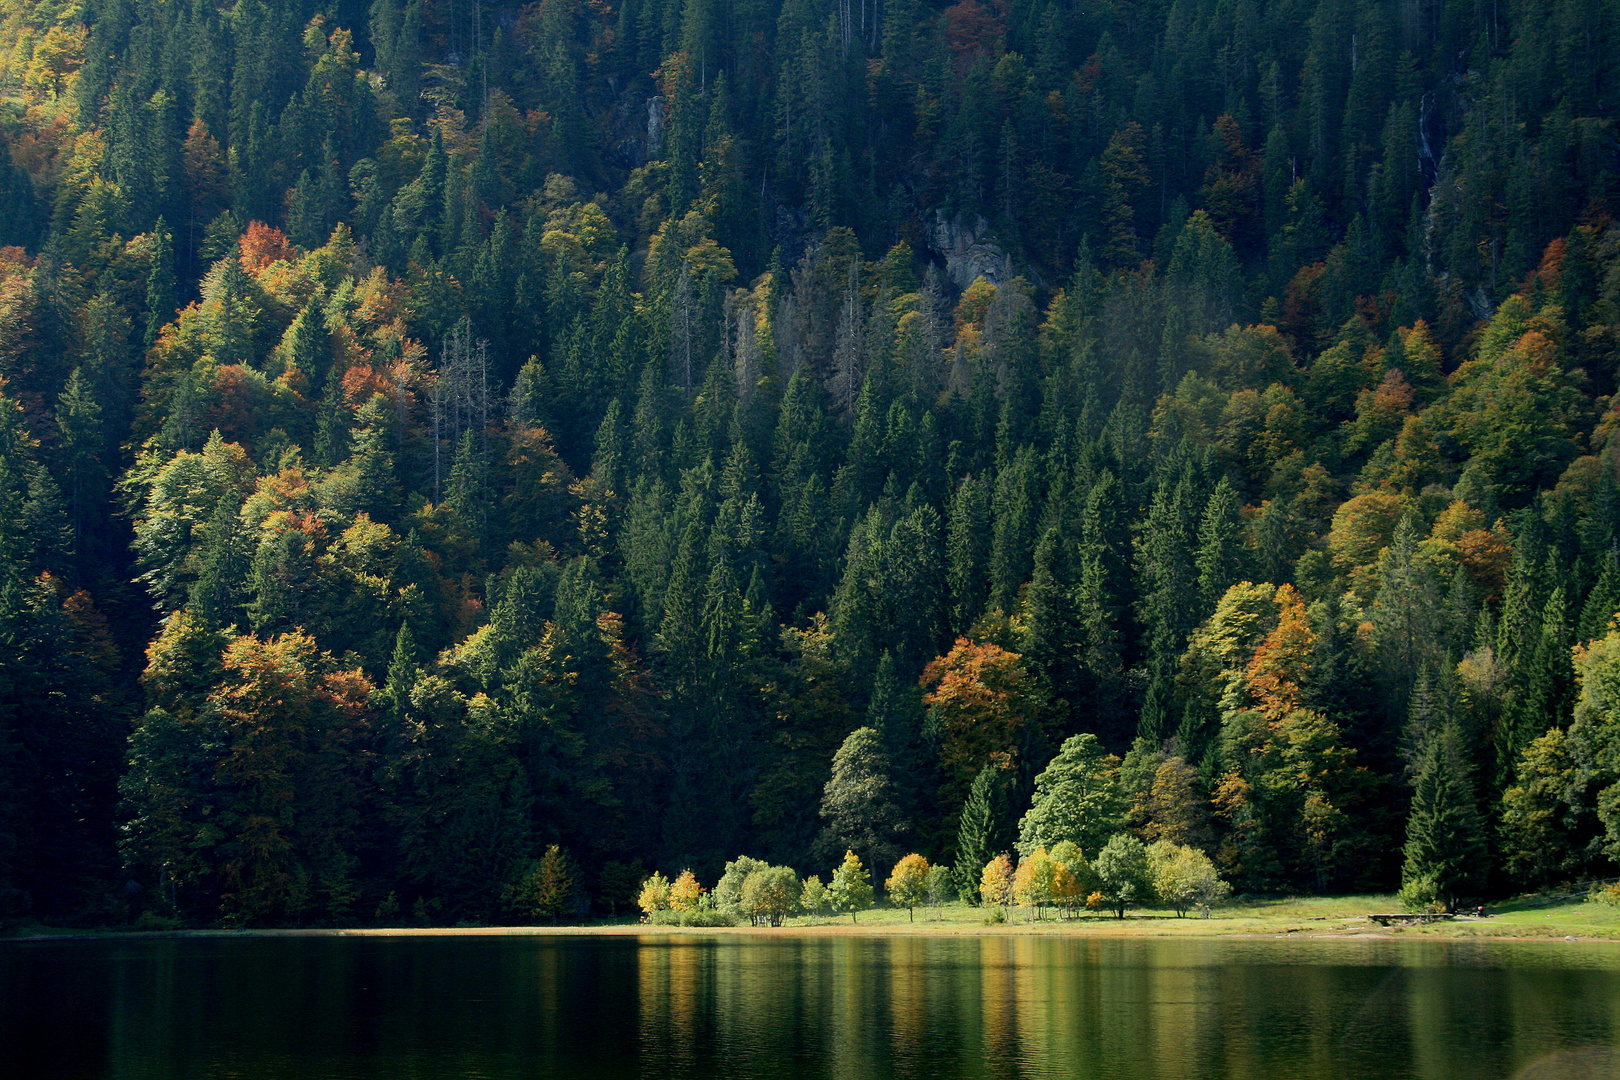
x=159, y=282
x=895, y=712
x=1445, y=837
x=1051, y=631
x=983, y=830
x=967, y=552
x=1221, y=557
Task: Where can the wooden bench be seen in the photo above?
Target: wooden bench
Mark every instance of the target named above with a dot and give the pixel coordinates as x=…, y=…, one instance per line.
x=1411, y=918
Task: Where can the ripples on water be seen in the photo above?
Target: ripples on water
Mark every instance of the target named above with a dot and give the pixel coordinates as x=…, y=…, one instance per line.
x=779, y=1006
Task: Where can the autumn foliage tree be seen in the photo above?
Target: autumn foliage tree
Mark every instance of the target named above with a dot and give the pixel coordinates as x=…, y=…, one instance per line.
x=981, y=703
x=908, y=883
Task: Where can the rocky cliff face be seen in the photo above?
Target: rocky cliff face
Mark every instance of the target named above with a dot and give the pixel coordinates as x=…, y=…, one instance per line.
x=969, y=250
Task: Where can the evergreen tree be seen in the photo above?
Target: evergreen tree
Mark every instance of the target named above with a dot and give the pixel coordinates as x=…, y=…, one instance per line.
x=1445, y=839
x=983, y=829
x=1221, y=556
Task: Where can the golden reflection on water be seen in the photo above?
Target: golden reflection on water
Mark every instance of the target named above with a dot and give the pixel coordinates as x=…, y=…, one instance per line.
x=669, y=980
x=783, y=1006
x=1072, y=1006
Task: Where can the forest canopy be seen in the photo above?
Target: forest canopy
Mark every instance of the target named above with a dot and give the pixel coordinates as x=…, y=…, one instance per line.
x=459, y=457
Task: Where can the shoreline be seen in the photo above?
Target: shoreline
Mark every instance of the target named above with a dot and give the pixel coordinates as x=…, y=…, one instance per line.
x=1468, y=932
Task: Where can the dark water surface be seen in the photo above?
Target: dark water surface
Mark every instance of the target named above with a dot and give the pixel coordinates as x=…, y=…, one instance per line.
x=424, y=1008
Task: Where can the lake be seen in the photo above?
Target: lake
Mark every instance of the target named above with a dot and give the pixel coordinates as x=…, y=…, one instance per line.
x=779, y=1005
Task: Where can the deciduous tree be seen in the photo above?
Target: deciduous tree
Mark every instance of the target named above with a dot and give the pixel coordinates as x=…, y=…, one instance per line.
x=851, y=886
x=908, y=883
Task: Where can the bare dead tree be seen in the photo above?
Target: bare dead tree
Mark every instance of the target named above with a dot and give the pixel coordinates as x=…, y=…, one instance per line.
x=460, y=396
x=849, y=345
x=746, y=351
x=680, y=326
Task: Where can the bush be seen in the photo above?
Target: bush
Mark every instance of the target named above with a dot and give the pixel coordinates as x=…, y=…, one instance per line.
x=1420, y=894
x=698, y=917
x=1601, y=894
x=151, y=920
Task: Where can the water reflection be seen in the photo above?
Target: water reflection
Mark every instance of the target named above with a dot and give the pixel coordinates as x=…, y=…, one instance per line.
x=776, y=1005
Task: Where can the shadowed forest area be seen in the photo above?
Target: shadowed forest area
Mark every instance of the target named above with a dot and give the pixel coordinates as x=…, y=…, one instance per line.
x=437, y=432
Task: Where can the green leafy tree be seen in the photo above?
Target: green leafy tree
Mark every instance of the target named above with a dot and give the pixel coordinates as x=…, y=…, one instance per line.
x=851, y=886
x=1077, y=798
x=1183, y=876
x=1124, y=873
x=859, y=804
x=728, y=890
x=813, y=899
x=1541, y=829
x=771, y=895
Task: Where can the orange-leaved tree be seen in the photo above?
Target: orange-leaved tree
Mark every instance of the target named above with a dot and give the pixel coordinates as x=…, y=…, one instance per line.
x=292, y=771
x=981, y=702
x=1288, y=775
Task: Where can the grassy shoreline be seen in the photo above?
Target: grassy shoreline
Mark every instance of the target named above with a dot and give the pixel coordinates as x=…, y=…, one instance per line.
x=1529, y=918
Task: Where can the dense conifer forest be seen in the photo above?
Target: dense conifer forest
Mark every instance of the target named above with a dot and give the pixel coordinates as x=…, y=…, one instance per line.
x=442, y=432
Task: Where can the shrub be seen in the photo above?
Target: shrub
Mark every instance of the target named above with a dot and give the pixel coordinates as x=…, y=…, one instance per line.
x=1602, y=894
x=1419, y=894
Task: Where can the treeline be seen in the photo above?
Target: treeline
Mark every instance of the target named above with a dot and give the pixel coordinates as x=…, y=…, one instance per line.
x=1077, y=798
x=439, y=432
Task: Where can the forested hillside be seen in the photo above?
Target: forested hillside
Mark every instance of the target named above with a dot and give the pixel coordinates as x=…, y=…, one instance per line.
x=436, y=431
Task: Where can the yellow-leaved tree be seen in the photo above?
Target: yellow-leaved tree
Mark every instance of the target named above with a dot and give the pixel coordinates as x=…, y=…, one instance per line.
x=908, y=883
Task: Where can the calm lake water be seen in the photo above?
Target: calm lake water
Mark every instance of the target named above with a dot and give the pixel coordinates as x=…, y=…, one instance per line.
x=415, y=1008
